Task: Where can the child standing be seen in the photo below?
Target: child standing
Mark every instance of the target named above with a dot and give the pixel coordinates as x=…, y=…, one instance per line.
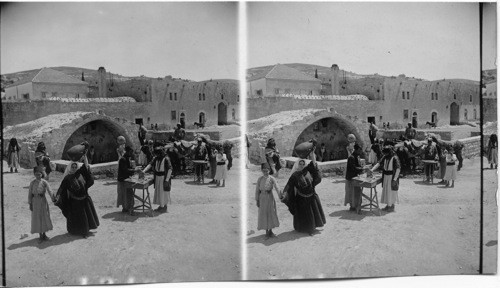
x=268, y=217
x=451, y=169
x=221, y=172
x=40, y=216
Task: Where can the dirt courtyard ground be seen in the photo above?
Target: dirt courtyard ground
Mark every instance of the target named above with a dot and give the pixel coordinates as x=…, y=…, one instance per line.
x=198, y=240
x=434, y=231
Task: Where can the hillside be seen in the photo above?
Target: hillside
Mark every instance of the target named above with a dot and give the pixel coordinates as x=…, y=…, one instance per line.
x=309, y=69
x=489, y=76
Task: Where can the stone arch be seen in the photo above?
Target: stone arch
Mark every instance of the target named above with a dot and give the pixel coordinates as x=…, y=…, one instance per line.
x=332, y=131
x=100, y=133
x=288, y=126
x=55, y=130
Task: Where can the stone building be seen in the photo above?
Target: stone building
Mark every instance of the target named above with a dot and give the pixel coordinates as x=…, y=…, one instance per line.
x=212, y=102
x=281, y=79
x=397, y=100
x=45, y=84
x=490, y=102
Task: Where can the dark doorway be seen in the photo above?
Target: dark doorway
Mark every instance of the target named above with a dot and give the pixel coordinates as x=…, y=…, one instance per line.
x=139, y=121
x=182, y=120
x=222, y=114
x=371, y=120
x=454, y=114
x=414, y=120
x=201, y=118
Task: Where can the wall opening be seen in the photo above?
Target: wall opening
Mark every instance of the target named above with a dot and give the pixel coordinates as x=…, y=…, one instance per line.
x=414, y=120
x=102, y=135
x=434, y=118
x=222, y=114
x=371, y=120
x=201, y=118
x=333, y=133
x=182, y=120
x=454, y=114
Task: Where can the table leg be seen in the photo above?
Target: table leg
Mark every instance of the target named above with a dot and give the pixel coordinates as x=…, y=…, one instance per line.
x=376, y=201
x=148, y=199
x=371, y=199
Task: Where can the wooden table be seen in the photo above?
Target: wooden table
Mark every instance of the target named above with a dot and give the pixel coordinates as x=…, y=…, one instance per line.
x=369, y=182
x=427, y=165
x=143, y=184
x=202, y=164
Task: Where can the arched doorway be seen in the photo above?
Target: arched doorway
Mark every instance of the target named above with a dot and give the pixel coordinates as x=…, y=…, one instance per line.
x=434, y=117
x=102, y=136
x=475, y=114
x=201, y=118
x=182, y=120
x=414, y=120
x=222, y=114
x=454, y=114
x=465, y=115
x=332, y=132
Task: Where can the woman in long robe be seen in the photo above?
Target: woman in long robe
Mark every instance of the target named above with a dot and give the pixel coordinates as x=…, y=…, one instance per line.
x=390, y=171
x=492, y=151
x=13, y=155
x=268, y=216
x=302, y=200
x=74, y=200
x=162, y=170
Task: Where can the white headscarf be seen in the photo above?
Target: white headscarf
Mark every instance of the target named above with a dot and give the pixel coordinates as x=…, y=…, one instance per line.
x=68, y=168
x=296, y=165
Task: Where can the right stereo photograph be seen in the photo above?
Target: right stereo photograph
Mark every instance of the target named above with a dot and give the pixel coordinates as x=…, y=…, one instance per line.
x=371, y=140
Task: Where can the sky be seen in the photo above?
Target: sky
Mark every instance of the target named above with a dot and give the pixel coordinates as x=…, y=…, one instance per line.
x=489, y=36
x=423, y=40
x=196, y=41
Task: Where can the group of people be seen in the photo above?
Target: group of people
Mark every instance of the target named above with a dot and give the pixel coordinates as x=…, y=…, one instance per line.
x=218, y=161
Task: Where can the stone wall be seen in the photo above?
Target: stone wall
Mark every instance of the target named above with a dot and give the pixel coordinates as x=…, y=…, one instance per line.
x=490, y=109
x=170, y=98
x=358, y=110
x=21, y=112
x=421, y=134
x=59, y=90
x=472, y=147
x=56, y=130
x=288, y=126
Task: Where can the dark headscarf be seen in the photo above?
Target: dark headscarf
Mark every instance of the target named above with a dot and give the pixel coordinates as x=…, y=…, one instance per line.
x=13, y=142
x=265, y=165
x=41, y=147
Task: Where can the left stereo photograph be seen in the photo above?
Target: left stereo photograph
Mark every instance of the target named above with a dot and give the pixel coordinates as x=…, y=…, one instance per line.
x=121, y=137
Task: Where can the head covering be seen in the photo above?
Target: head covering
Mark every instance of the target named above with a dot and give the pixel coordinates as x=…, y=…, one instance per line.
x=351, y=138
x=68, y=168
x=40, y=147
x=13, y=142
x=265, y=165
x=295, y=167
x=387, y=150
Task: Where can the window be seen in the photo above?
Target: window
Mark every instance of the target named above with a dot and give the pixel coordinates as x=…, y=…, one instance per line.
x=201, y=117
x=175, y=96
x=26, y=96
x=222, y=96
x=276, y=91
x=203, y=98
x=258, y=92
x=465, y=114
x=432, y=96
x=199, y=96
x=455, y=96
x=311, y=92
x=436, y=96
x=174, y=115
x=170, y=96
x=407, y=94
x=238, y=98
x=470, y=98
x=44, y=94
x=233, y=113
x=403, y=94
x=77, y=95
x=405, y=114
